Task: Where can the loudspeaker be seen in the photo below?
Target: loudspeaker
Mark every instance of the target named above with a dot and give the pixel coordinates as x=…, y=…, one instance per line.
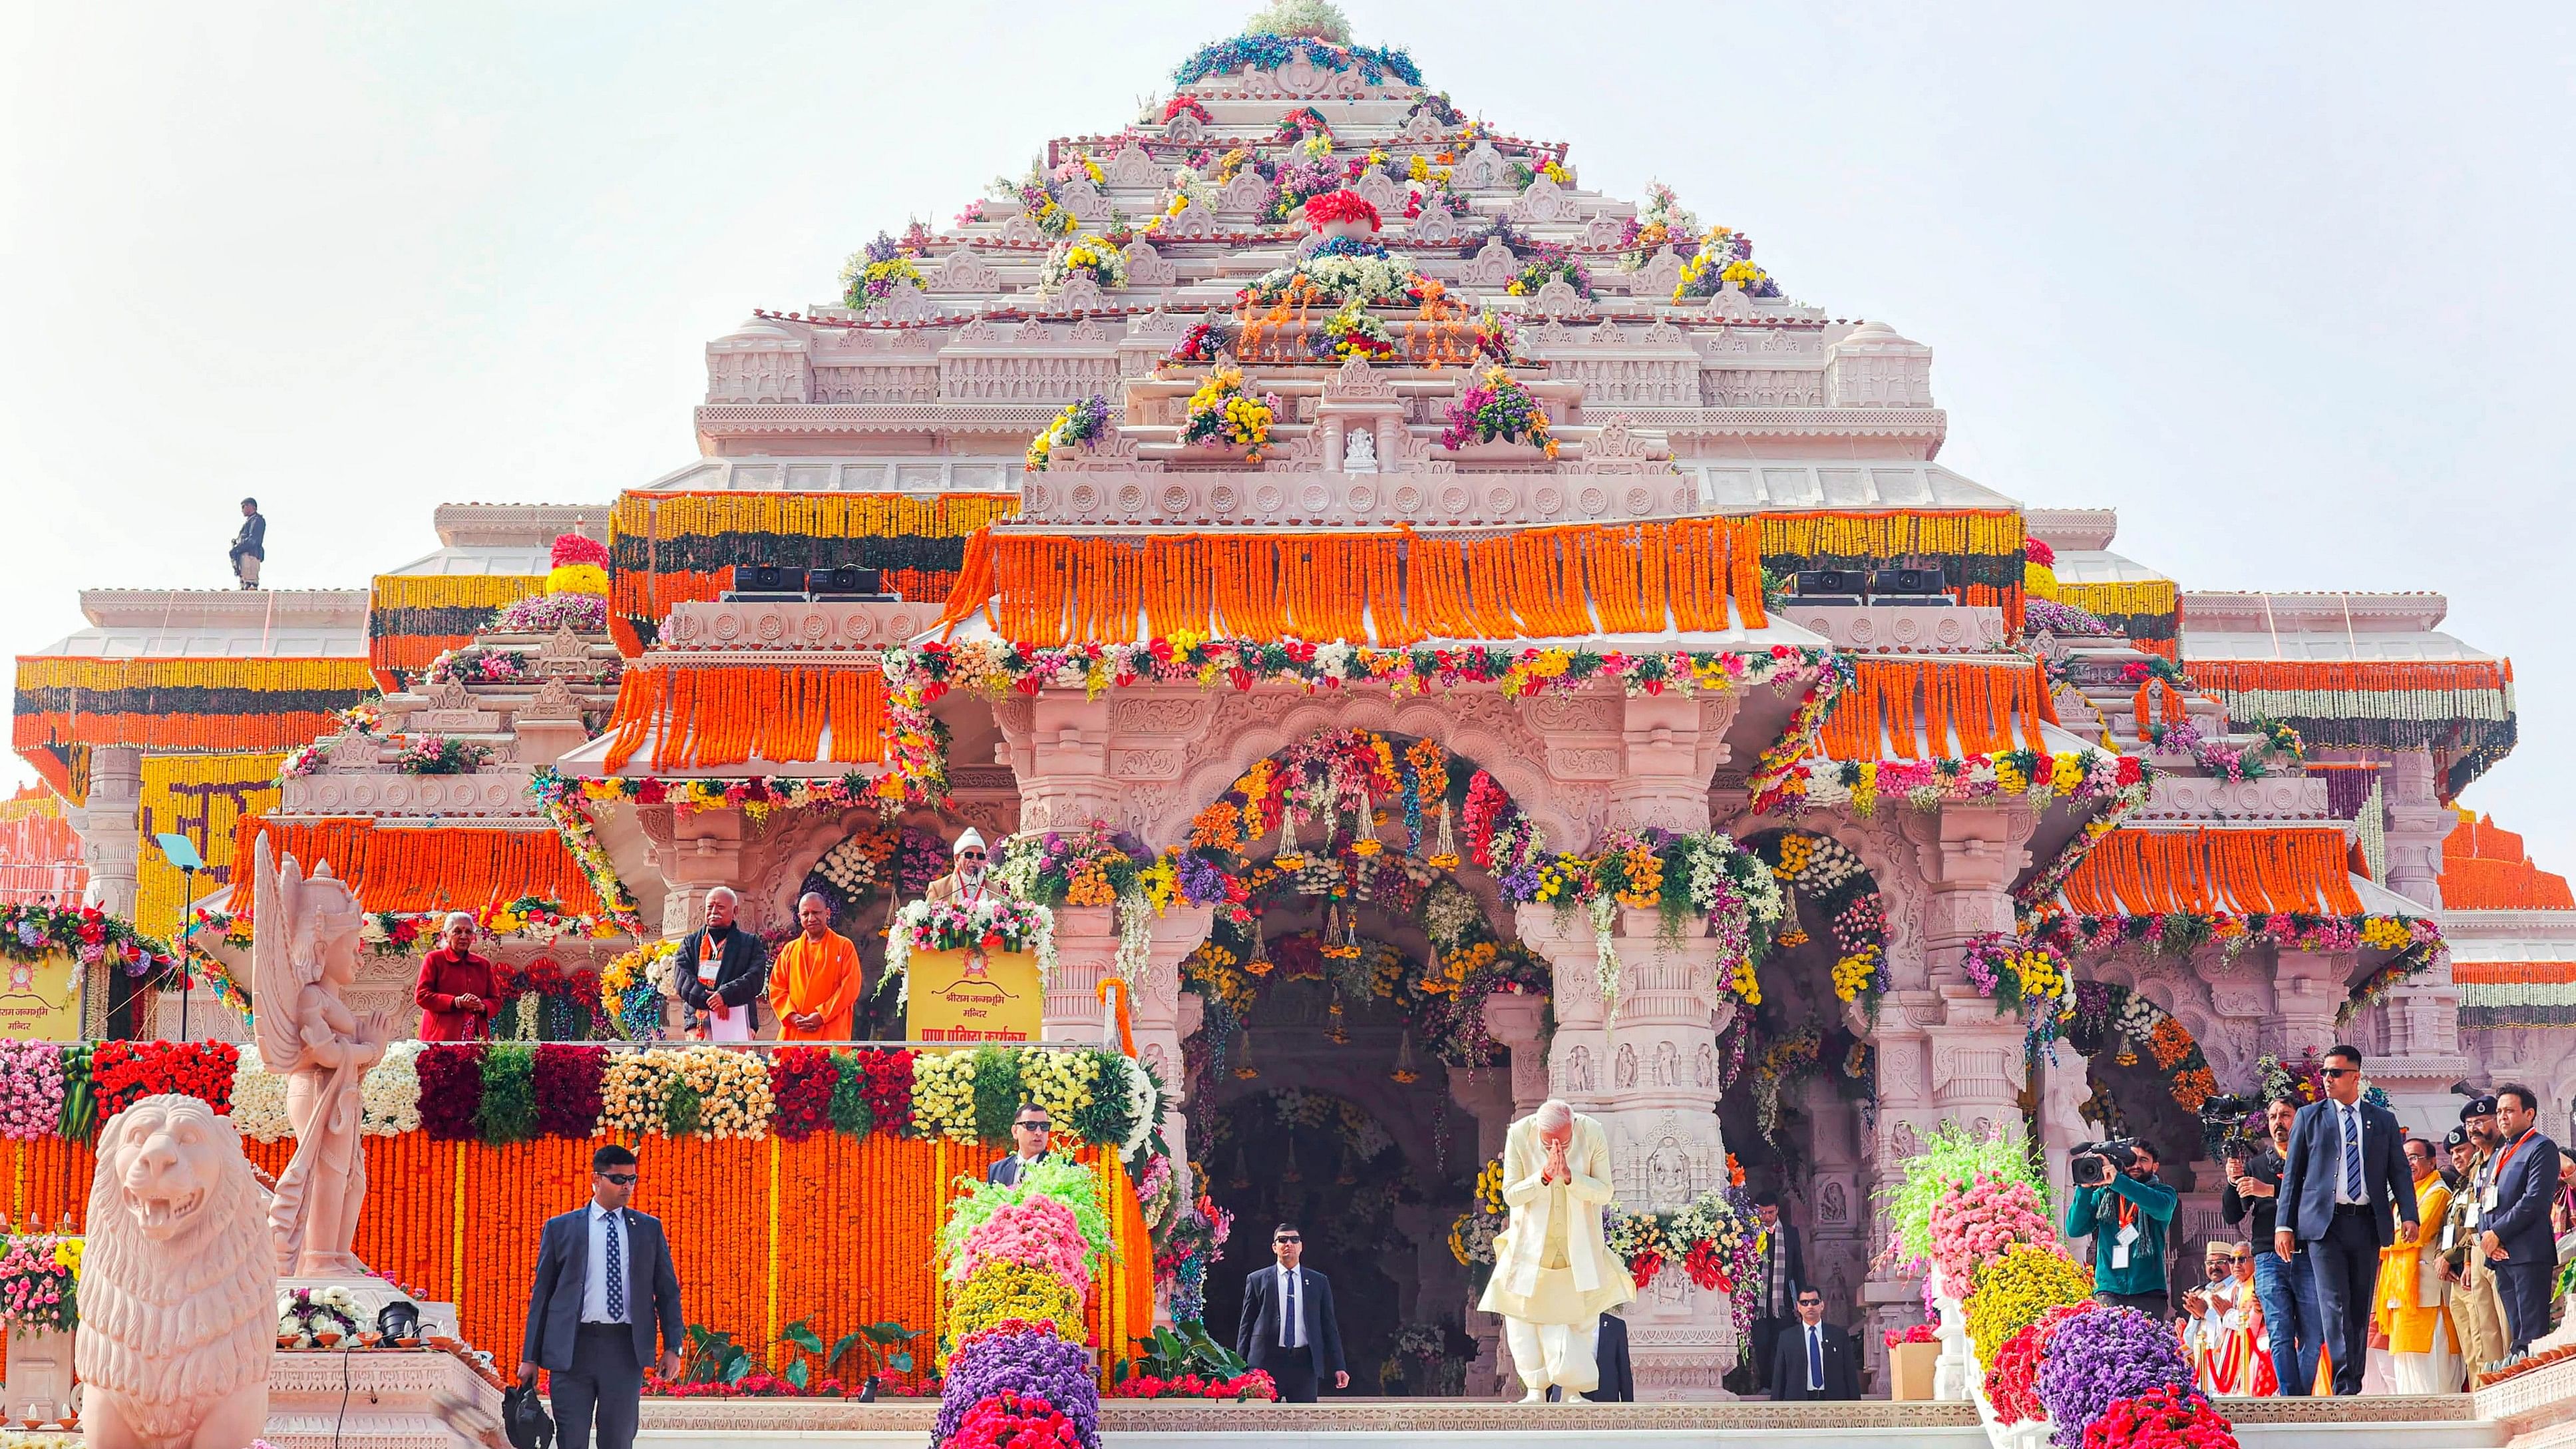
x=1829, y=583
x=767, y=579
x=843, y=581
x=1925, y=579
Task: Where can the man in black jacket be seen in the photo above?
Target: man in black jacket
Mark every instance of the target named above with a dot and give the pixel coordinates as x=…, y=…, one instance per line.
x=1780, y=1268
x=250, y=546
x=1288, y=1329
x=1813, y=1359
x=604, y=1285
x=1030, y=1129
x=721, y=971
x=2346, y=1193
x=2282, y=1285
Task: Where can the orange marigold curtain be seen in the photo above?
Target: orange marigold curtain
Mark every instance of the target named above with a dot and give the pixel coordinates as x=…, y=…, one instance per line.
x=1898, y=708
x=2205, y=871
x=447, y=869
x=833, y=1229
x=710, y=717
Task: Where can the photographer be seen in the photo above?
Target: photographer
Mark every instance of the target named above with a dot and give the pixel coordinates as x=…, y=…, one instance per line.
x=2288, y=1294
x=2128, y=1214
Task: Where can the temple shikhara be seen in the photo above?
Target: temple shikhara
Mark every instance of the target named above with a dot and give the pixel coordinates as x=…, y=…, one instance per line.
x=1421, y=636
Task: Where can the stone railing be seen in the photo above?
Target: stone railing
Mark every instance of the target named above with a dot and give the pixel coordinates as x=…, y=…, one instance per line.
x=492, y=790
x=1901, y=628
x=794, y=624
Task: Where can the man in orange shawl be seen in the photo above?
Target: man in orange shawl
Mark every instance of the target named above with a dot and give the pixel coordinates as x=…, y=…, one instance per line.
x=2407, y=1309
x=815, y=980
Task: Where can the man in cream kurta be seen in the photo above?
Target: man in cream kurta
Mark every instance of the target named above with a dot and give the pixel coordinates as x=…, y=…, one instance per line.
x=1553, y=1273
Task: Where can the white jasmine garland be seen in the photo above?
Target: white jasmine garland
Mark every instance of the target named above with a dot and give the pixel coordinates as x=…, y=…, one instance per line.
x=389, y=1093
x=1605, y=947
x=1447, y=913
x=1144, y=1104
x=1135, y=937
x=259, y=1101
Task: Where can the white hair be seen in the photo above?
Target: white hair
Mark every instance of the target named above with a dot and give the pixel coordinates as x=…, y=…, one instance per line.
x=728, y=892
x=1553, y=1116
x=453, y=917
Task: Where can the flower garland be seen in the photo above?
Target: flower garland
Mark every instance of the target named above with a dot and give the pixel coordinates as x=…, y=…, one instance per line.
x=1840, y=887
x=1089, y=256
x=2417, y=940
x=2102, y=1017
x=1713, y=1240
x=987, y=924
x=874, y=271
x=30, y=933
x=40, y=1282
x=2026, y=976
x=2081, y=777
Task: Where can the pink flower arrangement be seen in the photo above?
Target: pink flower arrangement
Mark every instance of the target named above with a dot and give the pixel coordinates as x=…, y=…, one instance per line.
x=1041, y=1233
x=1990, y=1216
x=37, y=1280
x=31, y=1090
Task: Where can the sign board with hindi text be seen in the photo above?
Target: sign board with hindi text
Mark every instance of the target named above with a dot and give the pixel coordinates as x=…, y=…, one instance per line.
x=40, y=1000
x=973, y=996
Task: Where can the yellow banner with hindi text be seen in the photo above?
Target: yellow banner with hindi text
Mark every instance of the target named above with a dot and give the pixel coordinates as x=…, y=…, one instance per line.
x=973, y=996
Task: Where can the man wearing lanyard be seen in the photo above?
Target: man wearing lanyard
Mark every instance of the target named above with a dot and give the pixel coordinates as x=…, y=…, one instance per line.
x=2475, y=1309
x=2128, y=1218
x=2515, y=1237
x=2346, y=1170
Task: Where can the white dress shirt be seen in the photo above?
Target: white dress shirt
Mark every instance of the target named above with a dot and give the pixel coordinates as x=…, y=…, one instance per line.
x=2347, y=1120
x=594, y=1284
x=1292, y=1310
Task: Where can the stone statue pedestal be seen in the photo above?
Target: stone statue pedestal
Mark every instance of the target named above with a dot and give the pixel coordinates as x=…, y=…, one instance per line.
x=371, y=1295
x=40, y=1372
x=396, y=1399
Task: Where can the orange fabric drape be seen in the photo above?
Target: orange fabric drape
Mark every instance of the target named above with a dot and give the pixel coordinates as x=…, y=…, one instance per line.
x=2484, y=869
x=453, y=868
x=856, y=1219
x=1897, y=708
x=2205, y=871
x=712, y=716
x=1389, y=588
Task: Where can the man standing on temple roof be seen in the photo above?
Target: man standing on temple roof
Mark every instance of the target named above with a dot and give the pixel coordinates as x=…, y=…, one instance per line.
x=250, y=546
x=973, y=879
x=720, y=970
x=815, y=980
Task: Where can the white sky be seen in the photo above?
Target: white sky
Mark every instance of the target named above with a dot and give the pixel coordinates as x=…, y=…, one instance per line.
x=2286, y=285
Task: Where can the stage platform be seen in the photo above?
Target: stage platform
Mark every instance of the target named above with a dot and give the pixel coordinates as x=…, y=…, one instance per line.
x=2455, y=1421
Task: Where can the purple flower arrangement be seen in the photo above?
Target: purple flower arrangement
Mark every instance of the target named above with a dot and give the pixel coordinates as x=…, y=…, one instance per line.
x=2062, y=619
x=546, y=613
x=1023, y=1358
x=2117, y=1353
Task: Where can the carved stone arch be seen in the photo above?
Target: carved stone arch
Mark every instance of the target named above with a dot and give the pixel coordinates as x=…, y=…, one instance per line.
x=1890, y=862
x=1231, y=751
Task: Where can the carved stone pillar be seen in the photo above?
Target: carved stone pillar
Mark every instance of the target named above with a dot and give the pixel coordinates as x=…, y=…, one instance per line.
x=1062, y=761
x=1969, y=855
x=1669, y=744
x=1086, y=946
x=111, y=828
x=1650, y=1078
x=1514, y=1021
x=704, y=850
x=1159, y=1019
x=2418, y=823
x=2307, y=989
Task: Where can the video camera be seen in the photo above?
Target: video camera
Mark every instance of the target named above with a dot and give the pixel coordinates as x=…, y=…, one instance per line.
x=2092, y=1164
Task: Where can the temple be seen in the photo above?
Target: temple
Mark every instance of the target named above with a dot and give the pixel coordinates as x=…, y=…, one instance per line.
x=1473, y=638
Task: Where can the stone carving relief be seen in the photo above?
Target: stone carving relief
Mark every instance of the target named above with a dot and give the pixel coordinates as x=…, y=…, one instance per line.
x=1624, y=1075
x=1147, y=267
x=1668, y=1064
x=1131, y=169
x=1245, y=195
x=1079, y=294
x=1191, y=221
x=964, y=271
x=1435, y=224
x=1083, y=199
x=1184, y=127
x=1704, y=1068
x=1544, y=201
x=1557, y=298
x=1479, y=170
x=906, y=303
x=1492, y=266
x=1577, y=1074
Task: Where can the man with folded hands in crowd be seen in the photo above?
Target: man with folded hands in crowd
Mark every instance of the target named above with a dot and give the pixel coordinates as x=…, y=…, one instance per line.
x=815, y=979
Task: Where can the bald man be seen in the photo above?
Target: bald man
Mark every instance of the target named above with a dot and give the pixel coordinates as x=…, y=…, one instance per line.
x=815, y=980
x=720, y=971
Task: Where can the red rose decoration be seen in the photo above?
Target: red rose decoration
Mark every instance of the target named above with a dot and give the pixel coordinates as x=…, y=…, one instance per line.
x=1343, y=205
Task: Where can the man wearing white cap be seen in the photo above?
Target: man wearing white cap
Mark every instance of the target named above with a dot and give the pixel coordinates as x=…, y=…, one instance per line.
x=972, y=880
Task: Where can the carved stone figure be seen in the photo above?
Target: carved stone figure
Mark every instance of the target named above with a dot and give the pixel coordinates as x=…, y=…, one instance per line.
x=1359, y=454
x=304, y=955
x=179, y=1288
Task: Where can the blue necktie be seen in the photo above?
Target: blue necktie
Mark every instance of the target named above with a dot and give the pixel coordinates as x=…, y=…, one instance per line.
x=2352, y=1153
x=616, y=1275
x=1815, y=1359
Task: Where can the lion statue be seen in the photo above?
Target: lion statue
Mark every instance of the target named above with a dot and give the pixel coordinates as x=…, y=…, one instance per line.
x=179, y=1288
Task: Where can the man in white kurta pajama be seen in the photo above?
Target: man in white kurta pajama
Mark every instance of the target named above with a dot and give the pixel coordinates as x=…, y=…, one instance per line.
x=1553, y=1274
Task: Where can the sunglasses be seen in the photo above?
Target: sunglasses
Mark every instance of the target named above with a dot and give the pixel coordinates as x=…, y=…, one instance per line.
x=1040, y=1125
x=2341, y=1071
x=970, y=855
x=1287, y=1238
x=622, y=1179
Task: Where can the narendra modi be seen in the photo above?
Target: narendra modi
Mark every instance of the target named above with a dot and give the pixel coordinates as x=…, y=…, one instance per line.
x=1554, y=1275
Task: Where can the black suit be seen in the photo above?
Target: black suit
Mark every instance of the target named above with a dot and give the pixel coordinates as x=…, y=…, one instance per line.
x=1298, y=1372
x=2524, y=1188
x=600, y=1366
x=741, y=968
x=1006, y=1173
x=1610, y=1352
x=1787, y=1262
x=1841, y=1377
x=2341, y=1241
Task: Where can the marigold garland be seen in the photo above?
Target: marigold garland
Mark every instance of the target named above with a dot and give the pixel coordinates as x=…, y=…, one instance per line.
x=205, y=798
x=705, y=717
x=412, y=871
x=2210, y=870
x=414, y=618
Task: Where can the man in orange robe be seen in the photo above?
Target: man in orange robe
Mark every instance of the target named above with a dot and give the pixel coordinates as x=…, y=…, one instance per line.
x=815, y=979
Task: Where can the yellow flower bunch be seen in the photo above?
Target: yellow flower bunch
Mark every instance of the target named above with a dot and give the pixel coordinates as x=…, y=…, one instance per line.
x=1556, y=173
x=1854, y=973
x=1456, y=966
x=2040, y=978
x=1748, y=987
x=67, y=1255
x=1743, y=274
x=1162, y=880
x=1795, y=851
x=2012, y=1291
x=1864, y=794
x=1062, y=1082
x=2385, y=933
x=1419, y=169
x=943, y=1095
x=2009, y=778
x=2065, y=773
x=1006, y=1290
x=633, y=1089
x=1213, y=965
x=733, y=1091
x=1489, y=1188
x=1561, y=878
